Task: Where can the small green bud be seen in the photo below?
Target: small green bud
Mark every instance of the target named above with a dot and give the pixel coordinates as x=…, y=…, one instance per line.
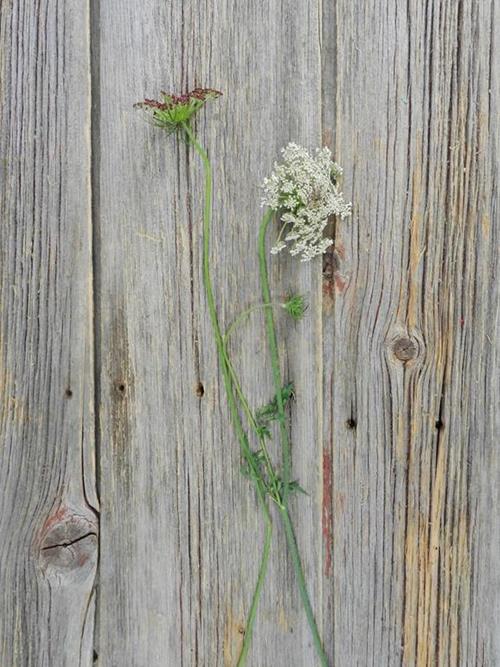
x=295, y=306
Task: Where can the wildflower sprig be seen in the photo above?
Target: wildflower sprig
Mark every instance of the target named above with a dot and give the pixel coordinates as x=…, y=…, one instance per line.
x=303, y=189
x=174, y=111
x=270, y=412
x=302, y=193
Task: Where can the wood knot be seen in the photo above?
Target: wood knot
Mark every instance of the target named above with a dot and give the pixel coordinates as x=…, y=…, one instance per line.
x=404, y=348
x=68, y=543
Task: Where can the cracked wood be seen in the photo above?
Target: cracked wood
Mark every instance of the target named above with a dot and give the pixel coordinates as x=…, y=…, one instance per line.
x=411, y=346
x=48, y=520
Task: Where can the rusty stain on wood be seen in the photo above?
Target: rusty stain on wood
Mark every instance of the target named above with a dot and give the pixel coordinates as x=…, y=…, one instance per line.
x=327, y=518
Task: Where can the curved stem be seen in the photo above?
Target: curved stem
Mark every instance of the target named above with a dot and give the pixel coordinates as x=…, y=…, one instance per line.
x=285, y=441
x=239, y=319
x=251, y=420
x=238, y=426
x=250, y=417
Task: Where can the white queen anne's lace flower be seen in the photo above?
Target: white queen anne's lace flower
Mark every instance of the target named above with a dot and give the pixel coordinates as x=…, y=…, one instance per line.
x=303, y=188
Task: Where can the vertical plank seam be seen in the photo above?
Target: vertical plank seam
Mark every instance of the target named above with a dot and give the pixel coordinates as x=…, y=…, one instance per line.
x=94, y=74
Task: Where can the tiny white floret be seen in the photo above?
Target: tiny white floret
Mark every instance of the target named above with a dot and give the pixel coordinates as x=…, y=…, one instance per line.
x=304, y=189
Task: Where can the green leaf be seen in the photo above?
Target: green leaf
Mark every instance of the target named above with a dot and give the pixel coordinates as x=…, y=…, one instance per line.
x=249, y=471
x=263, y=431
x=269, y=412
x=294, y=487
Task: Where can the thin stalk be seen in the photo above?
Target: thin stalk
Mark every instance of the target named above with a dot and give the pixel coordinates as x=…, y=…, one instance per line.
x=253, y=424
x=238, y=320
x=273, y=350
x=247, y=639
x=301, y=582
x=285, y=441
x=233, y=407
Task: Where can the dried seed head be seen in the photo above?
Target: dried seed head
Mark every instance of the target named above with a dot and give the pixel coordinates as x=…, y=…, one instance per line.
x=174, y=111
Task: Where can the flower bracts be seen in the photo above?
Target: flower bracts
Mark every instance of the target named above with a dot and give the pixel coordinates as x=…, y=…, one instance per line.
x=176, y=110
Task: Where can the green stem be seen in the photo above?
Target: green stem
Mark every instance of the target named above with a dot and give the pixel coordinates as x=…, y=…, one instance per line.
x=238, y=320
x=266, y=550
x=301, y=582
x=276, y=496
x=251, y=420
x=285, y=441
x=233, y=407
x=273, y=349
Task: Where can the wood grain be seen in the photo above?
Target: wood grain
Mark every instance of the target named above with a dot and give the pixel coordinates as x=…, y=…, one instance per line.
x=412, y=519
x=396, y=421
x=48, y=520
x=181, y=534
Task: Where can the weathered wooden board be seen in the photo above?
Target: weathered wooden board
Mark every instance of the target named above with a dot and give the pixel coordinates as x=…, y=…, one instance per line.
x=412, y=510
x=180, y=533
x=48, y=525
x=396, y=421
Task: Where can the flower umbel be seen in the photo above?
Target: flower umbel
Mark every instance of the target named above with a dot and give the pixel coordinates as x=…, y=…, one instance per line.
x=304, y=189
x=175, y=110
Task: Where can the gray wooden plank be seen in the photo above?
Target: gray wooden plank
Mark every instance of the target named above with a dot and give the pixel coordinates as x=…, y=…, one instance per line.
x=412, y=477
x=180, y=533
x=48, y=520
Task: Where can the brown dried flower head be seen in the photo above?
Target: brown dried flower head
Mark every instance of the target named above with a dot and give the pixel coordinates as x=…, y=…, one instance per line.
x=174, y=111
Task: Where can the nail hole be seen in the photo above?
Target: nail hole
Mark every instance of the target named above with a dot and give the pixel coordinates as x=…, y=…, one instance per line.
x=68, y=393
x=199, y=390
x=439, y=424
x=95, y=656
x=351, y=424
x=241, y=630
x=121, y=387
